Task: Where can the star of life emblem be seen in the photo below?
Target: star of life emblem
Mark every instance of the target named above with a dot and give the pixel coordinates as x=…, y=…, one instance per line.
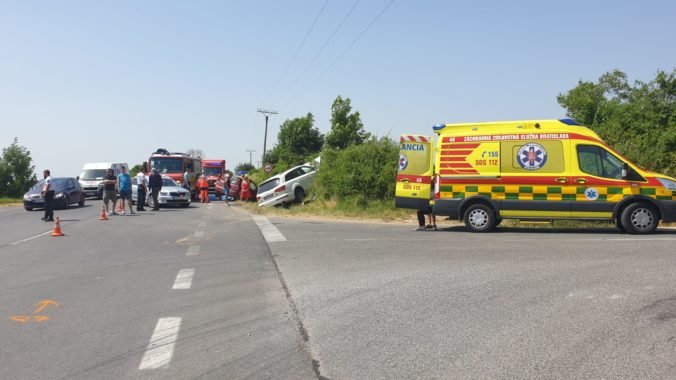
x=532, y=156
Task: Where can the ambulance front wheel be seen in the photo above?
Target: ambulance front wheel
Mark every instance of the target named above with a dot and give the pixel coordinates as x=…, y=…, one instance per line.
x=479, y=218
x=639, y=218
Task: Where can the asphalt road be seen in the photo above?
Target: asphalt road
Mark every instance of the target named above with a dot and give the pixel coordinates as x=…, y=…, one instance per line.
x=208, y=292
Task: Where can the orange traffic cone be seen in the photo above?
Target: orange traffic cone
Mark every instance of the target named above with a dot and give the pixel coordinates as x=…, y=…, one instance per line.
x=57, y=228
x=120, y=207
x=103, y=216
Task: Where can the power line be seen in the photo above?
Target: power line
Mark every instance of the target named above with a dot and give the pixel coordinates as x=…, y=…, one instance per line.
x=340, y=56
x=319, y=52
x=295, y=55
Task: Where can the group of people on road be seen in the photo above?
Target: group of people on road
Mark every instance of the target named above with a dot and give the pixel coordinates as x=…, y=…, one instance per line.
x=222, y=187
x=112, y=185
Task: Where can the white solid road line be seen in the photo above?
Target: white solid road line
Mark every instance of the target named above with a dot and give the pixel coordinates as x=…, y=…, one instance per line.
x=161, y=347
x=193, y=250
x=30, y=238
x=269, y=231
x=183, y=279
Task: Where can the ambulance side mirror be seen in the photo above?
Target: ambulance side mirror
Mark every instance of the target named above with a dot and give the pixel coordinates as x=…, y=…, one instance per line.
x=625, y=170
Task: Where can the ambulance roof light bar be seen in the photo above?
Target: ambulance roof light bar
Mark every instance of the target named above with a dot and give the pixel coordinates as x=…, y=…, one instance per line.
x=438, y=127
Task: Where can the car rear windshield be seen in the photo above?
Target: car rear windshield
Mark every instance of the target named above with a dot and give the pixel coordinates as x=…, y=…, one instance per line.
x=92, y=174
x=268, y=185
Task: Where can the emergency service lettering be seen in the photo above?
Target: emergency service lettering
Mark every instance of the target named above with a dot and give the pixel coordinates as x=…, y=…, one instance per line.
x=529, y=136
x=415, y=147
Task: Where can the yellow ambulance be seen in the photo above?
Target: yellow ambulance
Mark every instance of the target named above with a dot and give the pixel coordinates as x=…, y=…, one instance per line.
x=541, y=170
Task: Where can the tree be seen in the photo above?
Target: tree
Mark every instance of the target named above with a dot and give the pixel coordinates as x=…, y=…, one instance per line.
x=194, y=152
x=135, y=169
x=638, y=120
x=367, y=171
x=17, y=174
x=244, y=166
x=298, y=140
x=346, y=128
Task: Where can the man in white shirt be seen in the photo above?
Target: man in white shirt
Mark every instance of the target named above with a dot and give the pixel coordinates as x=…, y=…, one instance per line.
x=48, y=195
x=142, y=190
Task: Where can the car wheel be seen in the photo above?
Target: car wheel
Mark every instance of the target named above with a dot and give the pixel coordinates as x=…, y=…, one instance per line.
x=151, y=202
x=479, y=218
x=639, y=218
x=66, y=202
x=82, y=201
x=298, y=195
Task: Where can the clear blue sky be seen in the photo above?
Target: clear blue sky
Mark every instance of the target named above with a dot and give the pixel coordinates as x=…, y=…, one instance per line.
x=89, y=81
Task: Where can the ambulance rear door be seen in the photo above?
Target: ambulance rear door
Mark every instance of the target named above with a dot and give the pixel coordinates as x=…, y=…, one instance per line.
x=414, y=175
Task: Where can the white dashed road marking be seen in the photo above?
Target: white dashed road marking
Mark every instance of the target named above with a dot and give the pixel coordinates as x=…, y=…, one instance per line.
x=193, y=250
x=183, y=279
x=269, y=231
x=161, y=347
x=199, y=234
x=202, y=224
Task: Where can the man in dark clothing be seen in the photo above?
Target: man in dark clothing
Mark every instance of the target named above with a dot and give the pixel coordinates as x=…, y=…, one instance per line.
x=110, y=191
x=48, y=195
x=155, y=184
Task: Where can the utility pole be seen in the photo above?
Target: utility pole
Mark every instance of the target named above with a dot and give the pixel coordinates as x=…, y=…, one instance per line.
x=251, y=151
x=267, y=114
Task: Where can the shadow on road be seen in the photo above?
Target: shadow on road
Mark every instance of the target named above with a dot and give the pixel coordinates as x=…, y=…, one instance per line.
x=558, y=230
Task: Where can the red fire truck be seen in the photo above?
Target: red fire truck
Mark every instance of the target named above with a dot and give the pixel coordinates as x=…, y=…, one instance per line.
x=212, y=169
x=173, y=165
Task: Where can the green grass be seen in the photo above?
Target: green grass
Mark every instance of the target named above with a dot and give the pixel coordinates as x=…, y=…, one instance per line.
x=7, y=201
x=353, y=208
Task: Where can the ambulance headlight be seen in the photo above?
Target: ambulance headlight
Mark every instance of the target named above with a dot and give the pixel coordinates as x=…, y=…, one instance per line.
x=669, y=184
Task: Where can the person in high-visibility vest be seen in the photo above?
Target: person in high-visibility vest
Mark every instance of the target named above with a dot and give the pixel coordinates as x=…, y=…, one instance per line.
x=204, y=189
x=245, y=193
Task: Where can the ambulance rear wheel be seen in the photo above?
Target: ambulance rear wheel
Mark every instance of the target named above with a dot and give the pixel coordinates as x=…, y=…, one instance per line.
x=479, y=218
x=639, y=218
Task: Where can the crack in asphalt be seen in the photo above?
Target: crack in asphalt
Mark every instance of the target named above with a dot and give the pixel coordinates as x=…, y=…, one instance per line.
x=296, y=315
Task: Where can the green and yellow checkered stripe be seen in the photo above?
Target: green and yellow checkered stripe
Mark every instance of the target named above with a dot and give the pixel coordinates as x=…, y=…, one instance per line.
x=552, y=193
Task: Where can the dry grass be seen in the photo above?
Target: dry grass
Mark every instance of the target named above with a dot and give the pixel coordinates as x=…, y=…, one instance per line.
x=346, y=210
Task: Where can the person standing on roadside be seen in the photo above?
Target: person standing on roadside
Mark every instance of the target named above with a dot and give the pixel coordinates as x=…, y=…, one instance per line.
x=109, y=190
x=226, y=188
x=186, y=179
x=124, y=182
x=203, y=186
x=219, y=186
x=48, y=195
x=155, y=184
x=142, y=190
x=245, y=194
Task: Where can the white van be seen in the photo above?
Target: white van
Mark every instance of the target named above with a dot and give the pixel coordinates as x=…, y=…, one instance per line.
x=93, y=173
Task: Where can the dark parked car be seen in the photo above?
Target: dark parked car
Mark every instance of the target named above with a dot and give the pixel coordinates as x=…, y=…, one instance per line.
x=67, y=190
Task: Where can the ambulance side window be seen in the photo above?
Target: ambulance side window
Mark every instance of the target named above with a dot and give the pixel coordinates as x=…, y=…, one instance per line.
x=598, y=162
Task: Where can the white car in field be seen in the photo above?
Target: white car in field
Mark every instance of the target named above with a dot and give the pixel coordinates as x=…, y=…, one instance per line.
x=287, y=187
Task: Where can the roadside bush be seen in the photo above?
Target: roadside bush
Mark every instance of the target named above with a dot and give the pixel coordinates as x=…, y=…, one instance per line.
x=360, y=173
